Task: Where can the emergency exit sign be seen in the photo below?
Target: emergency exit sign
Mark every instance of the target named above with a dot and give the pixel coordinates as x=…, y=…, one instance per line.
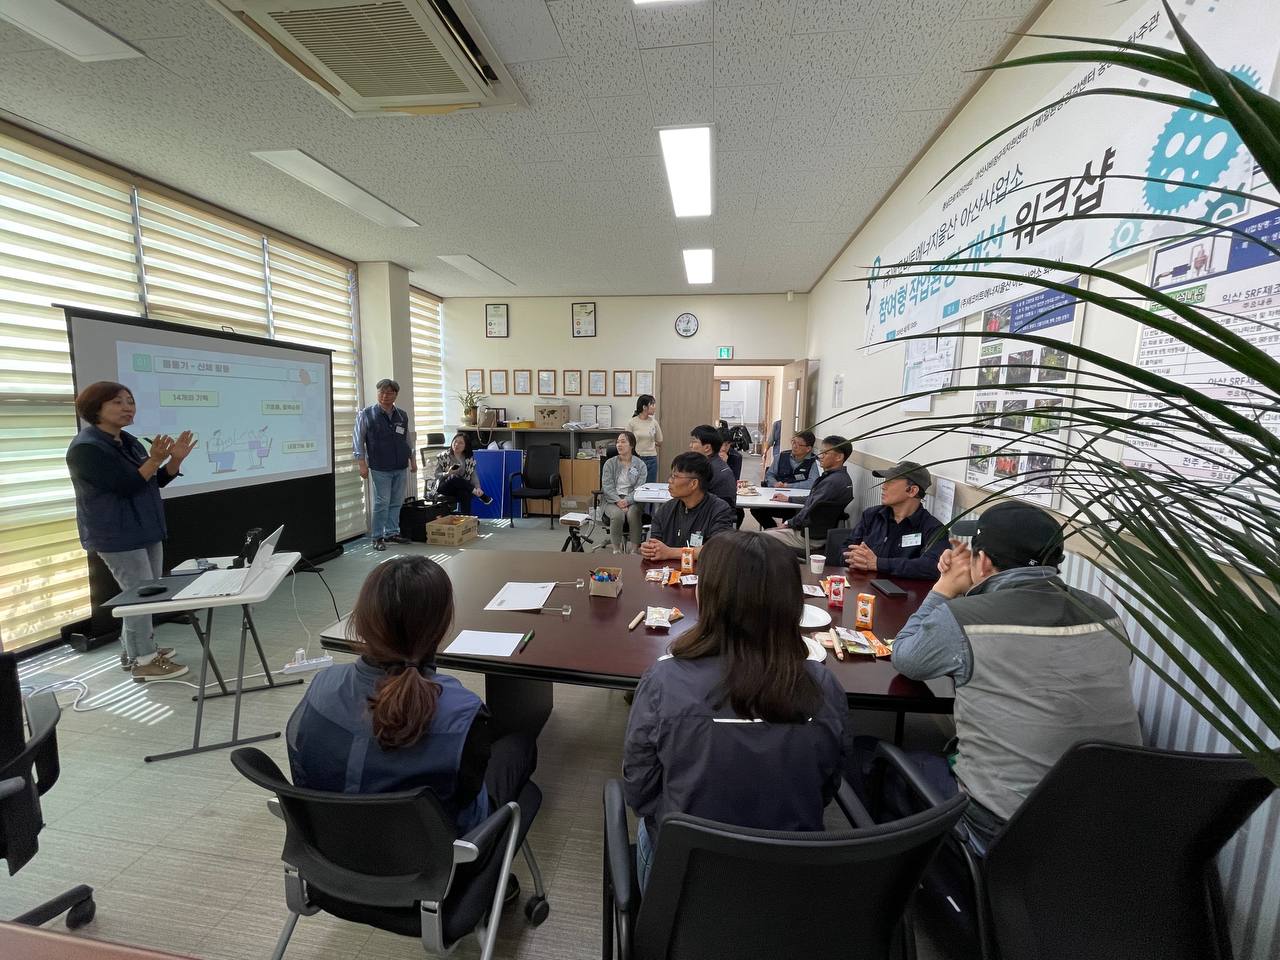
x=724, y=353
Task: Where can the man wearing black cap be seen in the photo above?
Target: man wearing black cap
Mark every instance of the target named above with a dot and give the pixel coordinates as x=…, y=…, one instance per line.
x=899, y=538
x=1038, y=665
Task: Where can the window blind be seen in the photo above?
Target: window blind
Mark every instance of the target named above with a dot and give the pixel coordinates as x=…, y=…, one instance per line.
x=66, y=236
x=312, y=302
x=201, y=270
x=428, y=364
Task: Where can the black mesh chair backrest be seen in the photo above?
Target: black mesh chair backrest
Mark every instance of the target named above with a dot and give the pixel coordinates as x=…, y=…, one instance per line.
x=389, y=849
x=1112, y=854
x=34, y=764
x=719, y=891
x=824, y=518
x=541, y=463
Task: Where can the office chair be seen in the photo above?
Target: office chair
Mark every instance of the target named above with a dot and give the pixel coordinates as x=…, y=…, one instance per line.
x=28, y=769
x=394, y=860
x=718, y=891
x=539, y=480
x=1111, y=855
x=426, y=461
x=822, y=520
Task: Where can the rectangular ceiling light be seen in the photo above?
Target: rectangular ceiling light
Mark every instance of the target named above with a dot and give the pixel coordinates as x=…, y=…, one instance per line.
x=63, y=29
x=317, y=176
x=474, y=268
x=686, y=151
x=699, y=265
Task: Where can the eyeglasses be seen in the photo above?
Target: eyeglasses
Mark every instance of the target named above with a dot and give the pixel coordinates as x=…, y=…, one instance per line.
x=823, y=453
x=680, y=476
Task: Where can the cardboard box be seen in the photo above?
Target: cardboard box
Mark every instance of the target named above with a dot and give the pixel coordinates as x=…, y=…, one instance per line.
x=550, y=415
x=606, y=588
x=452, y=531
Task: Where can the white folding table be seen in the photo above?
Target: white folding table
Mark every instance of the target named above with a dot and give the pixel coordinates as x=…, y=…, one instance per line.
x=658, y=493
x=259, y=590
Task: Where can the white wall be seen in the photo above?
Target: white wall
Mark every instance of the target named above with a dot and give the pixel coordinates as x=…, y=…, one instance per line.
x=631, y=334
x=836, y=308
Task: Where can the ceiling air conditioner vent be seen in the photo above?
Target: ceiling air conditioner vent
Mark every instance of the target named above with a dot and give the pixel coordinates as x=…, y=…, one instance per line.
x=406, y=56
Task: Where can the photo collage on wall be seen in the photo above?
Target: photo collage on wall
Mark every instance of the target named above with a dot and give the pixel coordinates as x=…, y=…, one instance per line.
x=1008, y=405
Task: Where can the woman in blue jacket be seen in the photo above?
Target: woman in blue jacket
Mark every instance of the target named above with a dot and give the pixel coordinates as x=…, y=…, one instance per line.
x=119, y=512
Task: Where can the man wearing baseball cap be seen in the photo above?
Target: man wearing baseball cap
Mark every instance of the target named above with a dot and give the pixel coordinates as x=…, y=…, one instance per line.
x=1038, y=665
x=899, y=538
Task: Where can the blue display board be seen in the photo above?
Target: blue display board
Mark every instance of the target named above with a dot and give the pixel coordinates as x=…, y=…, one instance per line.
x=493, y=467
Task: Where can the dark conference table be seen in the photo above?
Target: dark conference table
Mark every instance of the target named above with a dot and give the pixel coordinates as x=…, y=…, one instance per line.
x=593, y=646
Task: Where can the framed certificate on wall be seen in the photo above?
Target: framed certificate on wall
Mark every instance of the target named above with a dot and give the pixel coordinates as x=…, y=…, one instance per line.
x=622, y=383
x=522, y=381
x=583, y=317
x=546, y=383
x=644, y=382
x=498, y=382
x=572, y=383
x=495, y=320
x=597, y=384
x=475, y=381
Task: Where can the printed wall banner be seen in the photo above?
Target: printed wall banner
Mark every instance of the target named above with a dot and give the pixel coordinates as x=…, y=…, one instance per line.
x=1012, y=198
x=1217, y=272
x=1008, y=405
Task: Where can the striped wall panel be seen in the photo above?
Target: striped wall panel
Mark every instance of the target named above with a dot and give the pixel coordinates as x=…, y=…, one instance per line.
x=1250, y=864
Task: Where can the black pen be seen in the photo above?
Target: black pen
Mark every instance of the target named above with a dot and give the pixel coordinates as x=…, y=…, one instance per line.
x=524, y=642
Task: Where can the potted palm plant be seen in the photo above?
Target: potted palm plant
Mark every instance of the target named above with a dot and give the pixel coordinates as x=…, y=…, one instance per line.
x=470, y=400
x=1198, y=549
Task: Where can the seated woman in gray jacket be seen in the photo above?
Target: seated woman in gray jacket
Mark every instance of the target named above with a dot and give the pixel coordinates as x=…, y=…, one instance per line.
x=688, y=749
x=619, y=478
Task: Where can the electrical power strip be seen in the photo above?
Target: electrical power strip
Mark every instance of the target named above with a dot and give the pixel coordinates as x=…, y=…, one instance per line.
x=299, y=664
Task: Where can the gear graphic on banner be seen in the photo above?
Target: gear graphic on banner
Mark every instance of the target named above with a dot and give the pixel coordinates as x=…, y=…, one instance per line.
x=1194, y=147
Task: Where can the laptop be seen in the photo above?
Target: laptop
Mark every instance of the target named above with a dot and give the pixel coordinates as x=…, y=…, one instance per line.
x=225, y=583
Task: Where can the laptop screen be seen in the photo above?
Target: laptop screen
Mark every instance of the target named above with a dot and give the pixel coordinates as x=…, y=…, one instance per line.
x=262, y=559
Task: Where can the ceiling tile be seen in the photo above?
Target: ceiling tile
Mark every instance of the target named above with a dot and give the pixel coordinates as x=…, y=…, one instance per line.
x=826, y=16
x=554, y=95
x=752, y=19
x=679, y=81
x=132, y=20
x=601, y=43
x=520, y=30
x=737, y=173
x=671, y=24
x=816, y=72
x=626, y=126
x=744, y=116
x=1017, y=9
x=744, y=62
x=974, y=43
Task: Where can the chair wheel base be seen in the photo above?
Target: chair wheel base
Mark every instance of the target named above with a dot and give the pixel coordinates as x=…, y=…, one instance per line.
x=536, y=910
x=81, y=913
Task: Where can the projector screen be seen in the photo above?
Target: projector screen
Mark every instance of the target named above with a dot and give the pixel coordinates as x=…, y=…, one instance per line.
x=262, y=411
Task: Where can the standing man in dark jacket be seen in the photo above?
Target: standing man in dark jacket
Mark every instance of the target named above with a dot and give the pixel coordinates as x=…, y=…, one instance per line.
x=899, y=538
x=119, y=512
x=797, y=468
x=382, y=451
x=831, y=491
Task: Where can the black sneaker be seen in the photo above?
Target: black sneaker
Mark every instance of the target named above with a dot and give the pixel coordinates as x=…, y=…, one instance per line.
x=379, y=544
x=398, y=539
x=486, y=499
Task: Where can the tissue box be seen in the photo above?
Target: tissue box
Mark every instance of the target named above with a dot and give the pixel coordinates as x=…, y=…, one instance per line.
x=452, y=531
x=606, y=588
x=550, y=415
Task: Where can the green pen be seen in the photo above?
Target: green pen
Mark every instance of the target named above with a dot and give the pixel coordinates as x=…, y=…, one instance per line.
x=524, y=642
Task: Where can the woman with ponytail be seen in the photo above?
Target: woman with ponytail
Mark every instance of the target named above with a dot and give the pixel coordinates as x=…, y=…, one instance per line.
x=390, y=722
x=737, y=725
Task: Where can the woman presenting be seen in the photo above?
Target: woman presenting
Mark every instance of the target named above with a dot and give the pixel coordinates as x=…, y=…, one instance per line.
x=119, y=512
x=648, y=434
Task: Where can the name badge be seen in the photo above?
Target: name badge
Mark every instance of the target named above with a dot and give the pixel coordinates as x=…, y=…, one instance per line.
x=401, y=430
x=911, y=540
x=695, y=539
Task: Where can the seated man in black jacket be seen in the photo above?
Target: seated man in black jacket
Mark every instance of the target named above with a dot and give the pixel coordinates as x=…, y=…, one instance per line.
x=707, y=440
x=692, y=517
x=899, y=538
x=824, y=506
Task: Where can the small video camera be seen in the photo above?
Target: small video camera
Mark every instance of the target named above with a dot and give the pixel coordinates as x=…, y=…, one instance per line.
x=250, y=548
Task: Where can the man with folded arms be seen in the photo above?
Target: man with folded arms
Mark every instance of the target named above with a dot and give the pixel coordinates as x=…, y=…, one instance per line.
x=1038, y=665
x=899, y=538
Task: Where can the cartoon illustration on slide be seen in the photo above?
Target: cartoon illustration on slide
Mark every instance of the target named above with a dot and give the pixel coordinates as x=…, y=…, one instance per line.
x=223, y=448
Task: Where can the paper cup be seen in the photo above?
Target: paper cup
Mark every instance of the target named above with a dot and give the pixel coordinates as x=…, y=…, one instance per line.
x=817, y=562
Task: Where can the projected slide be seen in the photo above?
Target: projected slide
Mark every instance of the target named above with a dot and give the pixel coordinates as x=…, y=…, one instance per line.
x=261, y=412
x=249, y=414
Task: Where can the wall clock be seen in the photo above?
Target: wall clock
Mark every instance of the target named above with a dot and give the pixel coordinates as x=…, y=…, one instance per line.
x=686, y=324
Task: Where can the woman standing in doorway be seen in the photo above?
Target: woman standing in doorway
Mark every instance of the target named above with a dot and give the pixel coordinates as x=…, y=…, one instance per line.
x=648, y=434
x=119, y=511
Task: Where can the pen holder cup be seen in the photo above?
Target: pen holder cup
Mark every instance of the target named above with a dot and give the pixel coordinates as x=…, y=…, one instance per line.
x=606, y=588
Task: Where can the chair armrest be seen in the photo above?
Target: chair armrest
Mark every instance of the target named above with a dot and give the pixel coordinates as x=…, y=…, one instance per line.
x=887, y=752
x=617, y=849
x=485, y=835
x=12, y=787
x=852, y=806
x=273, y=808
x=556, y=487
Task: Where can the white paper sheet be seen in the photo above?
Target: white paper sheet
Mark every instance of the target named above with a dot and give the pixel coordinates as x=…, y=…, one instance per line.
x=480, y=643
x=521, y=596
